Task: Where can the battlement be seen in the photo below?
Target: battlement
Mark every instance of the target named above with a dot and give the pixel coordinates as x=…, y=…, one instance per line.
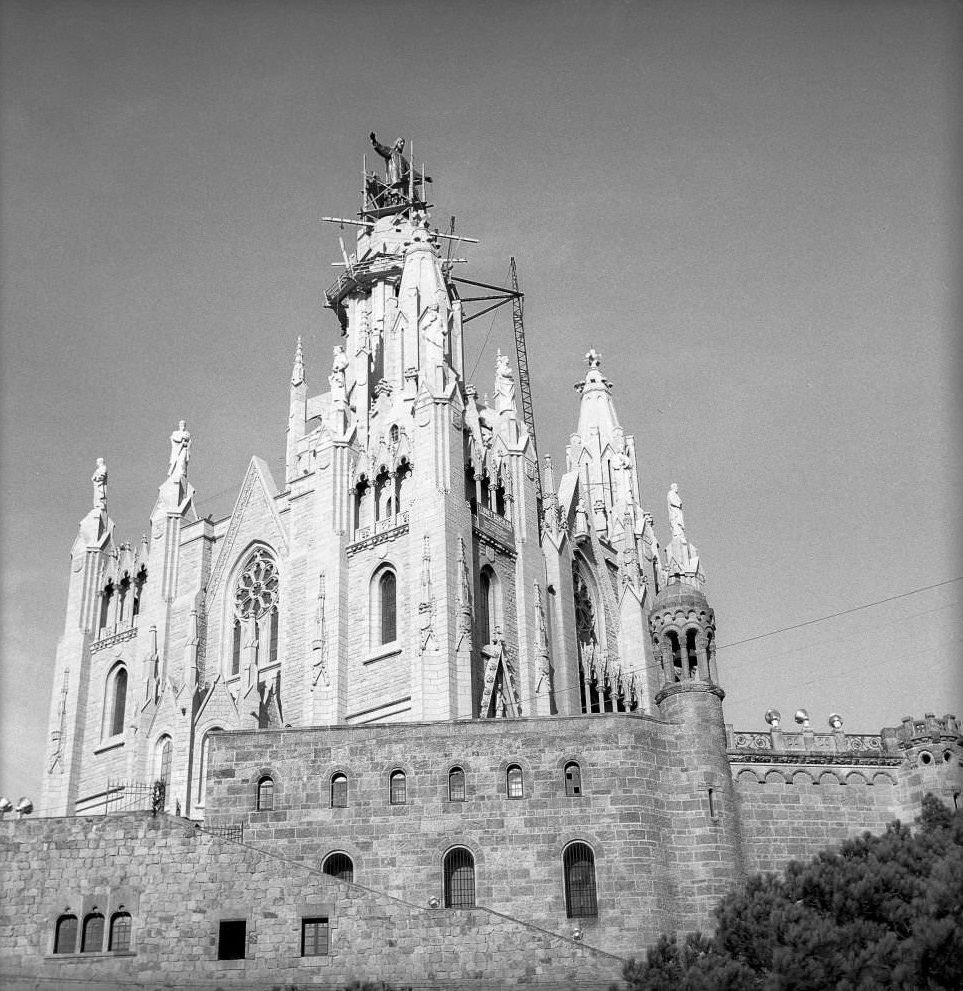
x=930, y=729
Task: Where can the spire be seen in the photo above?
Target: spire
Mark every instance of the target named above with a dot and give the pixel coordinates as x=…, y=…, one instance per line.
x=297, y=374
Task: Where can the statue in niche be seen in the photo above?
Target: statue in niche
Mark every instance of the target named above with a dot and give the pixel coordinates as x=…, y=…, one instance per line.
x=504, y=384
x=435, y=329
x=339, y=395
x=180, y=452
x=674, y=503
x=99, y=478
x=600, y=516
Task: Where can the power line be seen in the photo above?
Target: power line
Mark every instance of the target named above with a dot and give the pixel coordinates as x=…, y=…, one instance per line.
x=842, y=612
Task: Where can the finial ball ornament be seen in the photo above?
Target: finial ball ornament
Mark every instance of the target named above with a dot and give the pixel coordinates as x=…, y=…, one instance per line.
x=802, y=717
x=836, y=721
x=772, y=717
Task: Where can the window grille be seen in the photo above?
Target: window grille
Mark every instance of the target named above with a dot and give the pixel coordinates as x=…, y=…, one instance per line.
x=339, y=865
x=265, y=794
x=232, y=939
x=515, y=781
x=456, y=785
x=93, y=938
x=339, y=791
x=459, y=879
x=65, y=940
x=580, y=894
x=120, y=924
x=573, y=779
x=118, y=702
x=398, y=788
x=315, y=937
x=387, y=587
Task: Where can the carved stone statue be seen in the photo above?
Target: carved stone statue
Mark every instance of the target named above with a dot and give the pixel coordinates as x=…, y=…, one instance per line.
x=339, y=363
x=674, y=503
x=435, y=331
x=396, y=165
x=99, y=478
x=504, y=384
x=180, y=452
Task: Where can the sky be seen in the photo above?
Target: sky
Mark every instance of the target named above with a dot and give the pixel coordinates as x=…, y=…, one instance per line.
x=751, y=210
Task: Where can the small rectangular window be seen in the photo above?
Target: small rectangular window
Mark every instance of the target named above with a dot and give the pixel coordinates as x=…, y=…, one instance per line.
x=315, y=937
x=713, y=810
x=232, y=939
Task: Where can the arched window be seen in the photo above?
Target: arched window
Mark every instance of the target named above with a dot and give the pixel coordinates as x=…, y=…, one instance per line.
x=204, y=767
x=459, y=878
x=404, y=486
x=265, y=794
x=139, y=582
x=578, y=862
x=115, y=702
x=394, y=434
x=589, y=646
x=236, y=648
x=122, y=591
x=164, y=756
x=256, y=597
x=339, y=865
x=397, y=788
x=364, y=513
x=119, y=941
x=93, y=937
x=339, y=791
x=105, y=603
x=456, y=785
x=490, y=618
x=573, y=779
x=690, y=652
x=387, y=608
x=676, y=655
x=65, y=938
x=514, y=781
x=384, y=496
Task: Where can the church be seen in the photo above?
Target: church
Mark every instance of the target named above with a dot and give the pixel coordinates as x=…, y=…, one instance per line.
x=427, y=707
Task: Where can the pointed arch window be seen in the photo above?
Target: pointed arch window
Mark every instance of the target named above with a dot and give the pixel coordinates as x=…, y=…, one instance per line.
x=139, y=582
x=256, y=596
x=106, y=601
x=578, y=863
x=162, y=767
x=489, y=616
x=459, y=872
x=589, y=648
x=387, y=607
x=65, y=937
x=115, y=702
x=204, y=767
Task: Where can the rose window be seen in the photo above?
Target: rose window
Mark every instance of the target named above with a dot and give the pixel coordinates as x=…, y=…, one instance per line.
x=257, y=588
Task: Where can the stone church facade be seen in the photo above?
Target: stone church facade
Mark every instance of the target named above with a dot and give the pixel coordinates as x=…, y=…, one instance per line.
x=457, y=721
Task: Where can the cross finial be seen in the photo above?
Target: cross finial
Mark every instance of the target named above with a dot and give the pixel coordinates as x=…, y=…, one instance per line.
x=593, y=358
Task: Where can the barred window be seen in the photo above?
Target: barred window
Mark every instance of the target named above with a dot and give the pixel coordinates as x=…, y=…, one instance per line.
x=339, y=865
x=398, y=788
x=515, y=781
x=65, y=939
x=573, y=779
x=315, y=937
x=265, y=794
x=580, y=895
x=339, y=791
x=120, y=923
x=459, y=878
x=456, y=785
x=93, y=938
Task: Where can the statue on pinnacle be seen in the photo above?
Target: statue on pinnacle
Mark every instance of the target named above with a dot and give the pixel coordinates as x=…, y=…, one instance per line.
x=674, y=504
x=180, y=452
x=99, y=478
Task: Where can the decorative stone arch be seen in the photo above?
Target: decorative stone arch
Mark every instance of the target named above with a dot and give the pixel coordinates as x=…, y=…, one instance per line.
x=881, y=778
x=802, y=778
x=232, y=627
x=828, y=778
x=774, y=777
x=855, y=778
x=747, y=777
x=254, y=786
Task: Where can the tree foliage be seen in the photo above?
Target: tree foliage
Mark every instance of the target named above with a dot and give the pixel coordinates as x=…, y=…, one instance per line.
x=882, y=912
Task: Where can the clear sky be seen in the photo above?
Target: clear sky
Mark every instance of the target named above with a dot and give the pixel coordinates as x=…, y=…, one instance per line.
x=751, y=209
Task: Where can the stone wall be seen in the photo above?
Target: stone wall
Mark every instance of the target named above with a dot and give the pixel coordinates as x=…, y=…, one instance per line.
x=178, y=882
x=517, y=844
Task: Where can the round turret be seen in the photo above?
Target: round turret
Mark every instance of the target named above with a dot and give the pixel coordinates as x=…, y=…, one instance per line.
x=683, y=630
